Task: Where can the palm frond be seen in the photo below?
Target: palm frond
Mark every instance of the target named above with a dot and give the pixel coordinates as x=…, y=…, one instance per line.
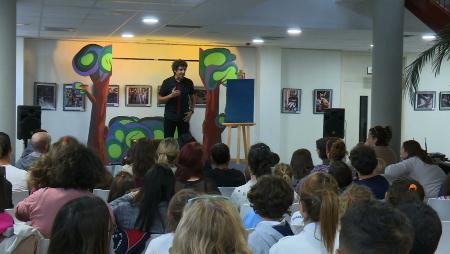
x=436, y=54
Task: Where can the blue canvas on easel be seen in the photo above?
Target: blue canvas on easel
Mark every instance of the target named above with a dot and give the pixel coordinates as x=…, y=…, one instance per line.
x=240, y=101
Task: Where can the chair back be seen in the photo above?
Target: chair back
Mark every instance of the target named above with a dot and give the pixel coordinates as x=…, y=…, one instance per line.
x=444, y=243
x=103, y=194
x=442, y=207
x=226, y=191
x=18, y=196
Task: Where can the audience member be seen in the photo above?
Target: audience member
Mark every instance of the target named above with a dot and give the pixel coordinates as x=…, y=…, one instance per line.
x=222, y=175
x=418, y=165
x=445, y=189
x=336, y=149
x=167, y=152
x=321, y=148
x=210, y=225
x=17, y=177
x=364, y=160
x=285, y=171
x=342, y=173
x=376, y=228
x=143, y=158
x=122, y=184
x=82, y=225
x=40, y=142
x=189, y=174
x=354, y=194
x=29, y=148
x=379, y=138
x=270, y=198
x=404, y=190
x=6, y=221
x=301, y=164
x=145, y=210
x=427, y=227
x=163, y=243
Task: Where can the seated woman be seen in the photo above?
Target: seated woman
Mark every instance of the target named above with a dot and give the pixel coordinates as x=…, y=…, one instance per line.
x=418, y=165
x=83, y=225
x=122, y=184
x=142, y=158
x=301, y=164
x=6, y=221
x=378, y=138
x=222, y=175
x=145, y=210
x=167, y=152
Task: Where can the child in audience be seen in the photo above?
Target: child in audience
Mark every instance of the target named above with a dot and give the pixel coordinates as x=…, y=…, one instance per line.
x=301, y=164
x=336, y=149
x=321, y=148
x=352, y=195
x=364, y=160
x=221, y=173
x=17, y=177
x=143, y=158
x=404, y=190
x=145, y=210
x=419, y=166
x=83, y=225
x=167, y=152
x=270, y=198
x=427, y=227
x=378, y=138
x=342, y=173
x=162, y=244
x=122, y=184
x=189, y=174
x=210, y=225
x=376, y=228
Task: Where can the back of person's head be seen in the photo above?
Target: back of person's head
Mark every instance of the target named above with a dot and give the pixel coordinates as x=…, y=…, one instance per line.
x=363, y=159
x=381, y=135
x=176, y=207
x=284, y=171
x=321, y=180
x=413, y=148
x=376, y=228
x=321, y=146
x=271, y=197
x=190, y=163
x=5, y=145
x=301, y=163
x=352, y=195
x=167, y=151
x=260, y=159
x=427, y=227
x=210, y=226
x=336, y=149
x=341, y=172
x=83, y=225
x=123, y=183
x=220, y=154
x=64, y=141
x=405, y=190
x=179, y=63
x=41, y=142
x=159, y=186
x=143, y=157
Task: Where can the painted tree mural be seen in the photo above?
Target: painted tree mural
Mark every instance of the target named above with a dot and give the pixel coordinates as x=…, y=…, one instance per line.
x=95, y=61
x=216, y=66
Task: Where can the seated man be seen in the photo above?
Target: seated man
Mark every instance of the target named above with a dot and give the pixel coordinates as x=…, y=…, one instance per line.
x=40, y=142
x=221, y=174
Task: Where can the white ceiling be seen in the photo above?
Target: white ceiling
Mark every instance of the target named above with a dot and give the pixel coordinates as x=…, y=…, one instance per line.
x=326, y=24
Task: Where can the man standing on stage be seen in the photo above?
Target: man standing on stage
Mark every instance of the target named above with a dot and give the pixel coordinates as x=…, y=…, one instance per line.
x=177, y=92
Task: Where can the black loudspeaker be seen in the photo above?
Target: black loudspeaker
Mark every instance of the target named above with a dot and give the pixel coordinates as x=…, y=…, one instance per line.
x=363, y=117
x=28, y=120
x=333, y=122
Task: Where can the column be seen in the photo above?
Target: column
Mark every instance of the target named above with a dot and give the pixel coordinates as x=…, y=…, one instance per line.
x=387, y=65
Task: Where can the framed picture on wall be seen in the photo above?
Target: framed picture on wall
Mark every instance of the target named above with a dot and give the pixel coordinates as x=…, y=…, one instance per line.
x=444, y=101
x=291, y=100
x=73, y=99
x=113, y=96
x=425, y=100
x=138, y=96
x=322, y=99
x=158, y=103
x=200, y=96
x=45, y=95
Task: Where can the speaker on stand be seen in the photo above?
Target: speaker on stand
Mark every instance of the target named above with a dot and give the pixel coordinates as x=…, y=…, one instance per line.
x=333, y=122
x=28, y=121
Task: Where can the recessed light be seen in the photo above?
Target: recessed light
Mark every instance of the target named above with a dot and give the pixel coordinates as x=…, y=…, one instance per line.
x=127, y=35
x=258, y=41
x=429, y=37
x=294, y=31
x=150, y=20
x=371, y=45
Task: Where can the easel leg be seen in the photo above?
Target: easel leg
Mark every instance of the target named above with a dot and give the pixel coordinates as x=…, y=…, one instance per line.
x=238, y=159
x=244, y=137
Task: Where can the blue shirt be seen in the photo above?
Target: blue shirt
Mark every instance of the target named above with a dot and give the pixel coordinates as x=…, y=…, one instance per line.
x=377, y=184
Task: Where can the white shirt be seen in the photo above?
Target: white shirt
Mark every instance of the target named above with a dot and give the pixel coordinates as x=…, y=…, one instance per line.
x=239, y=195
x=160, y=245
x=17, y=177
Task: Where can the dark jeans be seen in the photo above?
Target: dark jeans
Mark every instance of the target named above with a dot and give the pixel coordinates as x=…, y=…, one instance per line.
x=169, y=127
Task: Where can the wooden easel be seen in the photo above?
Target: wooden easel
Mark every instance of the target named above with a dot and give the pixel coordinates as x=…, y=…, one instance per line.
x=243, y=128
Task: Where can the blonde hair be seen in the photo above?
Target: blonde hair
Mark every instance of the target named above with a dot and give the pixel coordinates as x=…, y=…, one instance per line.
x=284, y=171
x=210, y=226
x=353, y=194
x=167, y=151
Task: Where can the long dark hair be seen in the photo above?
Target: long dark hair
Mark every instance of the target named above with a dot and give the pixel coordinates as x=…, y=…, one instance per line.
x=143, y=156
x=412, y=148
x=159, y=186
x=190, y=162
x=5, y=191
x=5, y=145
x=82, y=225
x=301, y=163
x=382, y=134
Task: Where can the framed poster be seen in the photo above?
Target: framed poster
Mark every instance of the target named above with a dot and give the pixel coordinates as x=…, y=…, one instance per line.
x=158, y=103
x=45, y=95
x=200, y=96
x=138, y=96
x=73, y=99
x=291, y=100
x=322, y=99
x=425, y=101
x=444, y=101
x=113, y=96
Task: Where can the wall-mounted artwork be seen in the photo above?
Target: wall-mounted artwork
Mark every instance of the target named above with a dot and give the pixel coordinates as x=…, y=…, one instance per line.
x=200, y=96
x=291, y=100
x=73, y=98
x=113, y=96
x=322, y=99
x=425, y=100
x=138, y=96
x=444, y=101
x=158, y=103
x=45, y=95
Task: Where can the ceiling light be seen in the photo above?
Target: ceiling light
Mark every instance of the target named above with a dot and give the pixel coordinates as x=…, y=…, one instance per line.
x=429, y=37
x=371, y=45
x=258, y=41
x=127, y=35
x=150, y=20
x=294, y=31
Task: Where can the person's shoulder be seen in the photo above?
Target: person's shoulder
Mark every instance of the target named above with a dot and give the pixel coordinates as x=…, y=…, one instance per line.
x=169, y=79
x=286, y=244
x=188, y=81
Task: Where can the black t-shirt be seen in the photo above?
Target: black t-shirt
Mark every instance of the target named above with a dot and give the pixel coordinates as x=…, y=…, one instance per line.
x=227, y=177
x=186, y=89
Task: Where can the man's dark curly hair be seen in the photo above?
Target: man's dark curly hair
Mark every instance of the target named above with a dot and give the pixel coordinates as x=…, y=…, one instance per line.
x=271, y=197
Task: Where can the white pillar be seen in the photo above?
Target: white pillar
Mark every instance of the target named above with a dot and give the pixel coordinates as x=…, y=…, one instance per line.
x=387, y=66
